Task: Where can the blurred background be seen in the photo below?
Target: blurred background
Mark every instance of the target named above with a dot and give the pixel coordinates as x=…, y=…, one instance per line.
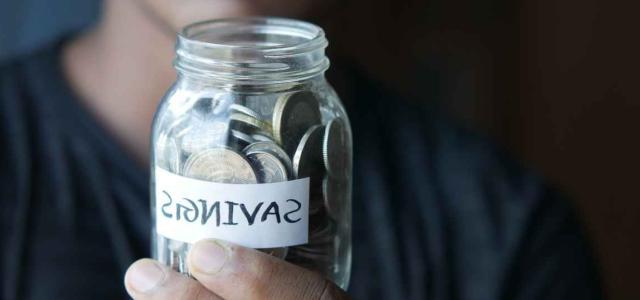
x=554, y=82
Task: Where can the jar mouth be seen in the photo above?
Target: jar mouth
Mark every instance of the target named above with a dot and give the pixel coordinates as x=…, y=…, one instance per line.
x=266, y=34
x=248, y=49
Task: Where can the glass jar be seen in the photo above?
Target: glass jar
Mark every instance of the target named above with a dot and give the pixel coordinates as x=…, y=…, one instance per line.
x=251, y=145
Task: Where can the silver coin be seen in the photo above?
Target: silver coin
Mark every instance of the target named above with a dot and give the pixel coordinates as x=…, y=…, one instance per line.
x=334, y=148
x=293, y=115
x=274, y=149
x=245, y=110
x=319, y=221
x=333, y=191
x=323, y=234
x=299, y=255
x=175, y=261
x=307, y=162
x=167, y=154
x=318, y=248
x=179, y=126
x=207, y=105
x=204, y=135
x=307, y=159
x=262, y=104
x=249, y=124
x=315, y=258
x=316, y=200
x=177, y=254
x=325, y=247
x=317, y=251
x=175, y=245
x=268, y=167
x=262, y=138
x=276, y=252
x=161, y=248
x=241, y=138
x=220, y=165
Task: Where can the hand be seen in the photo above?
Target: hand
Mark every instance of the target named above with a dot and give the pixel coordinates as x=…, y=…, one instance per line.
x=227, y=271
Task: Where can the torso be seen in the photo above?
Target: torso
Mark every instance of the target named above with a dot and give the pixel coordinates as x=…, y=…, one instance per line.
x=436, y=212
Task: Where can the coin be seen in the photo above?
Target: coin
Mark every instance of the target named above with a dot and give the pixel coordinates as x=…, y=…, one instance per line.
x=316, y=202
x=203, y=135
x=248, y=124
x=300, y=255
x=210, y=103
x=262, y=104
x=333, y=190
x=262, y=138
x=167, y=154
x=241, y=139
x=274, y=149
x=175, y=261
x=203, y=106
x=277, y=252
x=175, y=245
x=322, y=231
x=245, y=110
x=307, y=162
x=268, y=167
x=293, y=114
x=307, y=159
x=220, y=165
x=161, y=248
x=177, y=250
x=334, y=148
x=179, y=126
x=314, y=253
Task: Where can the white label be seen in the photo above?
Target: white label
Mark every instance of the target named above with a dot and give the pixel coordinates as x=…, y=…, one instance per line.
x=265, y=215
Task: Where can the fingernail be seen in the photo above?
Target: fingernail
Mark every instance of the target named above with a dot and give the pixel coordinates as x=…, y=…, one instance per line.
x=208, y=256
x=145, y=275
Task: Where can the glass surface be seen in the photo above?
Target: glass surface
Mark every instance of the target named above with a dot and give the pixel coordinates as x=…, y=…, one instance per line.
x=256, y=88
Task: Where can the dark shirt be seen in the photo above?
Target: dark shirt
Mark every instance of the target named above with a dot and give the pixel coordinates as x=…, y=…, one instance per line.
x=438, y=213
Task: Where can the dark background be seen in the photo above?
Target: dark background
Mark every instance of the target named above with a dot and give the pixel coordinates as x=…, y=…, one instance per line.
x=554, y=82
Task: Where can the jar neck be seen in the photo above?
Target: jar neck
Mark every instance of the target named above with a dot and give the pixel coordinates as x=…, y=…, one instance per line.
x=253, y=51
x=189, y=81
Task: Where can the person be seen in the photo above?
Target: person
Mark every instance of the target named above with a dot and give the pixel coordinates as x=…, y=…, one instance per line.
x=438, y=213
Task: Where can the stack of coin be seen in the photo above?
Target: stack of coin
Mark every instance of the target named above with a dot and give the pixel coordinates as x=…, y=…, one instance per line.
x=283, y=142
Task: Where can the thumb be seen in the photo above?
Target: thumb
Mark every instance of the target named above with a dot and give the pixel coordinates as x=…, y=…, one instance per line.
x=236, y=272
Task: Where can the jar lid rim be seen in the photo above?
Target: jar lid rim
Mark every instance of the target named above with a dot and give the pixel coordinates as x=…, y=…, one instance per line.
x=311, y=36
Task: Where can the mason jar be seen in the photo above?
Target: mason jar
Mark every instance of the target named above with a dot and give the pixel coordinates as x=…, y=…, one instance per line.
x=251, y=145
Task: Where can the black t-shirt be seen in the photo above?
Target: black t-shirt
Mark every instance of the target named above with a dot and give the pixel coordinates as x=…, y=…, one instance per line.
x=437, y=212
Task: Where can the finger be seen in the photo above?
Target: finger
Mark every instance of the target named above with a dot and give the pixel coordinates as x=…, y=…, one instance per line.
x=236, y=272
x=148, y=279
